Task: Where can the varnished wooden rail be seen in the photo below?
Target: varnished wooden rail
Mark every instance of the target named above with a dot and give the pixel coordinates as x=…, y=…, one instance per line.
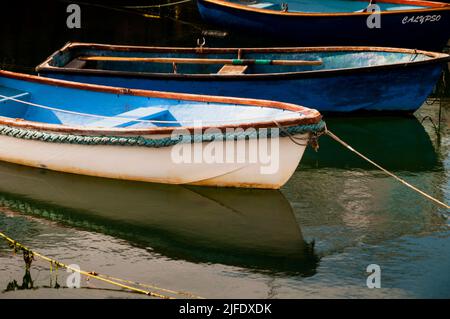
x=201, y=61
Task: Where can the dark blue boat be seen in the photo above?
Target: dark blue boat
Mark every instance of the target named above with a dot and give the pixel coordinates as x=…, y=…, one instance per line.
x=343, y=79
x=403, y=23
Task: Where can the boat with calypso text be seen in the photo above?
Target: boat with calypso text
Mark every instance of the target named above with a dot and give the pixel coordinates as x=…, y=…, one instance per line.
x=411, y=24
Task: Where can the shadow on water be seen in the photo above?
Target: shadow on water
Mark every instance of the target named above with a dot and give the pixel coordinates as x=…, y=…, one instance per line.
x=356, y=202
x=255, y=229
x=397, y=143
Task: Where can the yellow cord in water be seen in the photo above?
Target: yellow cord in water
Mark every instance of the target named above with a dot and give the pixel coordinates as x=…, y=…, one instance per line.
x=152, y=286
x=104, y=278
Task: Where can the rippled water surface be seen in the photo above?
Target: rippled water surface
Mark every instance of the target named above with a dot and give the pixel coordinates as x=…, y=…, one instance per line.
x=312, y=239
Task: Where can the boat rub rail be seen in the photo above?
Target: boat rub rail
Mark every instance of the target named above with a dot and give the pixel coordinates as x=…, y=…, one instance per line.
x=430, y=7
x=47, y=67
x=309, y=116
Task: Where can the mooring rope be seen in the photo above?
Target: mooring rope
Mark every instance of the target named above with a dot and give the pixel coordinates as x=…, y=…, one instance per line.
x=312, y=140
x=337, y=139
x=158, y=5
x=108, y=279
x=187, y=294
x=113, y=8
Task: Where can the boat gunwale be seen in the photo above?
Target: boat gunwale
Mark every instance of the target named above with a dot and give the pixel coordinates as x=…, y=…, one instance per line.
x=436, y=6
x=310, y=116
x=435, y=57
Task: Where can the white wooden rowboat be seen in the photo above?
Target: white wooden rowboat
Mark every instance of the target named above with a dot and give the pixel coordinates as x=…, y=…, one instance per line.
x=151, y=136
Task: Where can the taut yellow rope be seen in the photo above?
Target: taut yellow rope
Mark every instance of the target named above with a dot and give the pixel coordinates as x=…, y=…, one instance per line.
x=104, y=278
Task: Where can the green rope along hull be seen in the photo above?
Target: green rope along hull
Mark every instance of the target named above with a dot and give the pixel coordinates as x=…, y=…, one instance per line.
x=34, y=135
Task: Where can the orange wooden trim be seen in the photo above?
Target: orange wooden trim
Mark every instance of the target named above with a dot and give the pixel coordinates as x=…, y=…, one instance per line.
x=189, y=60
x=435, y=57
x=436, y=6
x=206, y=50
x=71, y=46
x=310, y=115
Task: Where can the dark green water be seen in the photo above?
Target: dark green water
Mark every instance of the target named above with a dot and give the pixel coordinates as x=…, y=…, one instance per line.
x=314, y=238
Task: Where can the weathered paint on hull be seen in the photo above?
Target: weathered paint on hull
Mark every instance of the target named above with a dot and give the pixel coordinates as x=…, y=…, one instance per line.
x=155, y=164
x=399, y=89
x=314, y=30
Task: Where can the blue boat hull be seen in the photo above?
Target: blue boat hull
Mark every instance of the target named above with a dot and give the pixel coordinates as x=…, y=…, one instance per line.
x=398, y=29
x=399, y=89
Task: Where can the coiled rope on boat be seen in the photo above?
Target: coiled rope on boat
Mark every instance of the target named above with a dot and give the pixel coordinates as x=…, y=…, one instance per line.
x=54, y=137
x=29, y=255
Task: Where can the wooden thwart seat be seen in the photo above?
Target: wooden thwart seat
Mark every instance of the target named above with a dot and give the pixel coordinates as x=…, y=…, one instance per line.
x=75, y=64
x=233, y=69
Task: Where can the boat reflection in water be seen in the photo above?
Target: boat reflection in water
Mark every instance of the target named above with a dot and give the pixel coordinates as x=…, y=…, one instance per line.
x=255, y=229
x=397, y=143
x=353, y=200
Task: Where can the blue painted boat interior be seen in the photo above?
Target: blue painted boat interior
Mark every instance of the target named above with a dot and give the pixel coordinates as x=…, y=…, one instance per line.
x=330, y=60
x=126, y=108
x=323, y=6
